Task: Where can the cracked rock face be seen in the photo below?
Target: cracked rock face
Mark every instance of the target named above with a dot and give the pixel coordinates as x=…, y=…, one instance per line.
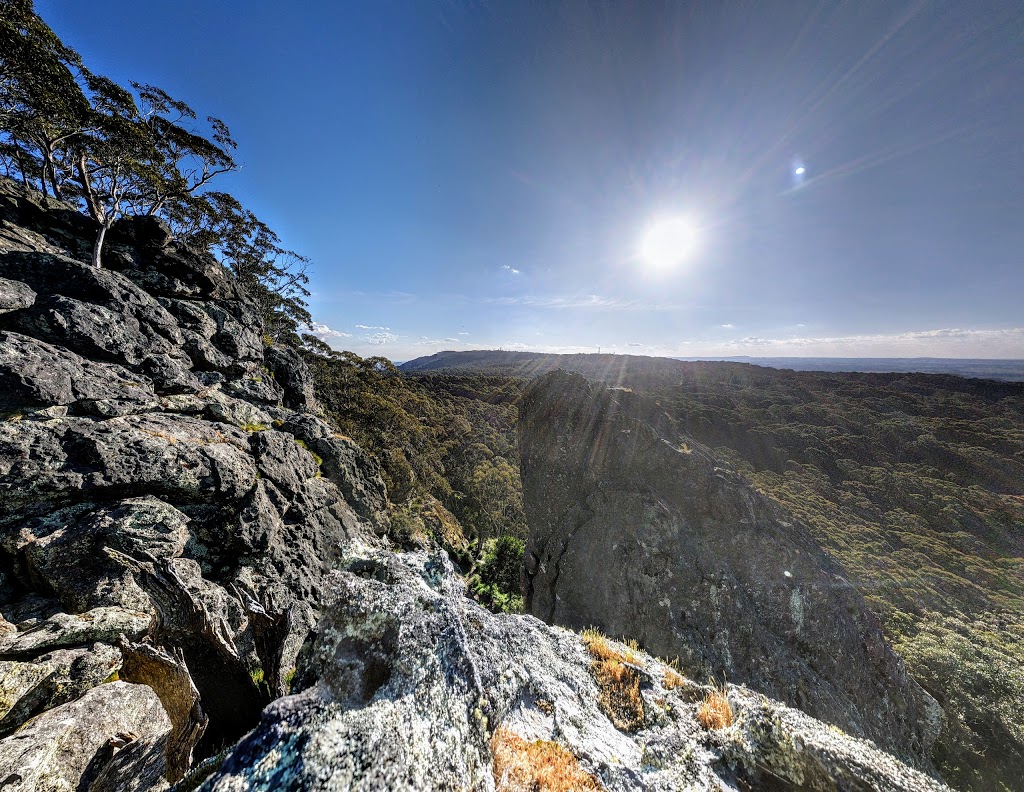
x=642, y=532
x=410, y=685
x=156, y=487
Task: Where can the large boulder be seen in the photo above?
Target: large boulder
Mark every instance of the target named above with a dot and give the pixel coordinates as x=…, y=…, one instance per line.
x=36, y=375
x=61, y=630
x=100, y=314
x=29, y=687
x=292, y=374
x=67, y=549
x=58, y=748
x=642, y=532
x=409, y=685
x=15, y=295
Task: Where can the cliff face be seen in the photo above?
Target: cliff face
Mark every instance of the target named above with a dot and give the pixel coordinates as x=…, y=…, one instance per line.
x=640, y=531
x=162, y=474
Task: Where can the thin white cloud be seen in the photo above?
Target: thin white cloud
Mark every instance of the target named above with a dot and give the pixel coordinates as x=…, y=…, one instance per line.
x=372, y=327
x=510, y=269
x=379, y=339
x=396, y=297
x=323, y=332
x=634, y=344
x=942, y=342
x=428, y=342
x=463, y=333
x=585, y=302
x=729, y=325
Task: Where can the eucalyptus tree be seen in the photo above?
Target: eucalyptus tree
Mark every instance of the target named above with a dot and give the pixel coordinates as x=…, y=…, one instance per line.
x=43, y=108
x=136, y=150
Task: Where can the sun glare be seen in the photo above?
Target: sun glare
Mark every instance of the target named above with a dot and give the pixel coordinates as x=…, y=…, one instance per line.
x=668, y=242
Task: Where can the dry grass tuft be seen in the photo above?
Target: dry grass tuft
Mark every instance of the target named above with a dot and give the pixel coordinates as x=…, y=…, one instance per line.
x=600, y=647
x=617, y=680
x=673, y=679
x=539, y=766
x=715, y=711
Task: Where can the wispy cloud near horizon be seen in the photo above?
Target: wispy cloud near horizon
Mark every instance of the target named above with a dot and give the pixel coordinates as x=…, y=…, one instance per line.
x=941, y=342
x=583, y=302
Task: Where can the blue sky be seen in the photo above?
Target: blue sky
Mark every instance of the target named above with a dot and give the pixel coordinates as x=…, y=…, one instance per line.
x=471, y=175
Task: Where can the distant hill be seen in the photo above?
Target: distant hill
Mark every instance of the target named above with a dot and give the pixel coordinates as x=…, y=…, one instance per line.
x=1007, y=370
x=532, y=364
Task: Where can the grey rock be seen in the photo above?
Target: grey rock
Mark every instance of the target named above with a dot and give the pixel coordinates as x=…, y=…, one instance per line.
x=642, y=532
x=409, y=685
x=198, y=330
x=150, y=487
x=237, y=338
x=171, y=373
x=356, y=473
x=256, y=387
x=144, y=231
x=15, y=295
x=34, y=374
x=66, y=549
x=28, y=688
x=92, y=330
x=171, y=456
x=218, y=406
x=57, y=275
x=59, y=747
x=178, y=271
x=280, y=458
x=60, y=630
x=292, y=374
x=30, y=221
x=140, y=766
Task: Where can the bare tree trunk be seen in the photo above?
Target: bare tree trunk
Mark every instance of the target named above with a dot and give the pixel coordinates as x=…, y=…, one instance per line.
x=97, y=248
x=51, y=168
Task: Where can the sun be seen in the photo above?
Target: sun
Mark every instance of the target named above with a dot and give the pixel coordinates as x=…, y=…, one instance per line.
x=668, y=242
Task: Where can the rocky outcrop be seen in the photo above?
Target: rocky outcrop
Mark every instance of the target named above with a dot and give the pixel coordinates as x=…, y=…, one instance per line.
x=165, y=485
x=642, y=532
x=409, y=685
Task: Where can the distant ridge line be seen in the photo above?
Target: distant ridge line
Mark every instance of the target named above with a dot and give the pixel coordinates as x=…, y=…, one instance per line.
x=532, y=363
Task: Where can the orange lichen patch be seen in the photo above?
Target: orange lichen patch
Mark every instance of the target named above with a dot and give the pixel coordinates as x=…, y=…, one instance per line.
x=715, y=711
x=673, y=679
x=617, y=680
x=538, y=766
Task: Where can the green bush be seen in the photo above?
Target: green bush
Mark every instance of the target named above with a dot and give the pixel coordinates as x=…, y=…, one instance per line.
x=495, y=583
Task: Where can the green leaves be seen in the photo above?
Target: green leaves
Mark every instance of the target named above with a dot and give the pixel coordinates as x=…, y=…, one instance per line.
x=135, y=150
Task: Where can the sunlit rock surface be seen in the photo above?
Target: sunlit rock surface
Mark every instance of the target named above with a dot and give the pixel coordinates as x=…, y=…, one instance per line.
x=409, y=685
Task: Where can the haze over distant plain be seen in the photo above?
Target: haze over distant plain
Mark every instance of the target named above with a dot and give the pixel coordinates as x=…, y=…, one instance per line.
x=679, y=179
